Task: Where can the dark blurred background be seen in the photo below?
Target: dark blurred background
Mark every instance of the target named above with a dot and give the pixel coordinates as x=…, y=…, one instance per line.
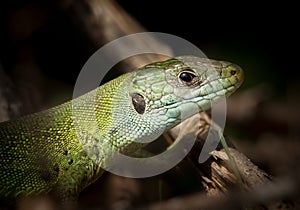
x=259, y=37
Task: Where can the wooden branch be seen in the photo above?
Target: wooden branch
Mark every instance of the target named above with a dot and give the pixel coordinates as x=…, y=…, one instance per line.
x=104, y=21
x=218, y=177
x=10, y=106
x=233, y=200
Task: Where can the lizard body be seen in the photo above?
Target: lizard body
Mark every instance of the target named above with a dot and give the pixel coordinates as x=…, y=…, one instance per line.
x=45, y=152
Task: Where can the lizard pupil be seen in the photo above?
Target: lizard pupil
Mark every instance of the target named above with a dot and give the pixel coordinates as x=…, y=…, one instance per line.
x=186, y=76
x=138, y=102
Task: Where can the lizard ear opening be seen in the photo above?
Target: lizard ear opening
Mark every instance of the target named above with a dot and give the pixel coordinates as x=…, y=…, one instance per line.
x=138, y=102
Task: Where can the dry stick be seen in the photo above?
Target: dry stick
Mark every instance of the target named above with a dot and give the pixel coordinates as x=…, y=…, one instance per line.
x=231, y=160
x=10, y=106
x=235, y=200
x=104, y=21
x=218, y=176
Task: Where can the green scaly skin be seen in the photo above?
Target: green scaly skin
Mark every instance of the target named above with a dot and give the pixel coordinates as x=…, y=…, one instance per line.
x=61, y=150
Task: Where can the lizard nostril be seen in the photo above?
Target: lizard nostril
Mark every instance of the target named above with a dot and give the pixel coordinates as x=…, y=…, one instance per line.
x=233, y=72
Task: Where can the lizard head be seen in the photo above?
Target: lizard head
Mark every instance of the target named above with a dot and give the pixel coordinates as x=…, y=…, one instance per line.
x=176, y=89
x=160, y=95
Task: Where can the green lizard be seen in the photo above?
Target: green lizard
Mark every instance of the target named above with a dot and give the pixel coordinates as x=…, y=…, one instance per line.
x=43, y=153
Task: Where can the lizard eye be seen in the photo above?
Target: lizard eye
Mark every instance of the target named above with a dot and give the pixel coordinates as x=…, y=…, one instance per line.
x=138, y=102
x=187, y=76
